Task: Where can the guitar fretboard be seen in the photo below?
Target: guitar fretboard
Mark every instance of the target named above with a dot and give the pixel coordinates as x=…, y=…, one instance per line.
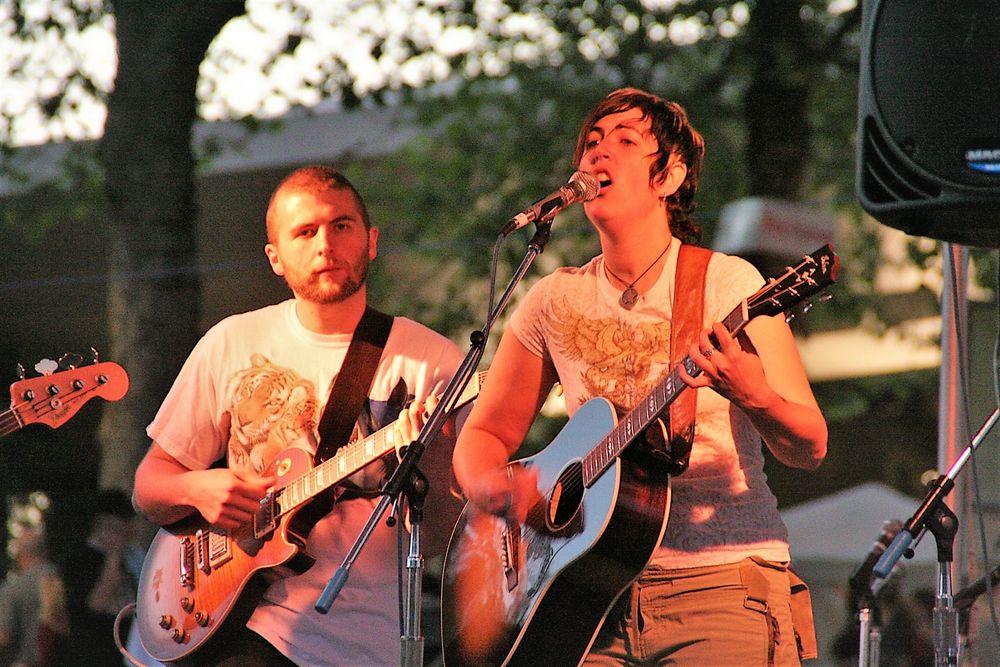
x=10, y=421
x=350, y=458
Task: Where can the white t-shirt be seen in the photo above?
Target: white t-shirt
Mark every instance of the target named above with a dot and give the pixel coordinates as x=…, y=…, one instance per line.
x=721, y=509
x=255, y=385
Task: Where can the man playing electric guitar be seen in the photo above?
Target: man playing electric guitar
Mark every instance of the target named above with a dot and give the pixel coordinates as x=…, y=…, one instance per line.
x=714, y=590
x=253, y=391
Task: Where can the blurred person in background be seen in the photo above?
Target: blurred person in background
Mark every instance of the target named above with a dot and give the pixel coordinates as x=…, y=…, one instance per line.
x=98, y=581
x=21, y=599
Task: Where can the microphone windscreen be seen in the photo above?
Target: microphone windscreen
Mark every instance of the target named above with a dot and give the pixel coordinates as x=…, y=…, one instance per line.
x=591, y=185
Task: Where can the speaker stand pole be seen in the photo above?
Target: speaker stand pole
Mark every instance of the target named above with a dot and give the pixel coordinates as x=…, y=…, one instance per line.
x=952, y=415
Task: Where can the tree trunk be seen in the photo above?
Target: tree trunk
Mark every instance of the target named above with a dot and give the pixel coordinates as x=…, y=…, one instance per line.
x=776, y=107
x=153, y=295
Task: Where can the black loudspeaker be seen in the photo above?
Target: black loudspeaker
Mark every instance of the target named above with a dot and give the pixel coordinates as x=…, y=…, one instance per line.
x=928, y=158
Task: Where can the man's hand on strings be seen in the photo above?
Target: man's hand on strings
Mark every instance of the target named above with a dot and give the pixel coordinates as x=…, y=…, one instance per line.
x=411, y=419
x=228, y=497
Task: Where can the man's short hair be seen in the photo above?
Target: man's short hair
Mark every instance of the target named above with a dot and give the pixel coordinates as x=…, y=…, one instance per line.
x=314, y=179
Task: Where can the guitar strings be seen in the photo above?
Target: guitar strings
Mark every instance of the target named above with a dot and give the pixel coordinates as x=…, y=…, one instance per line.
x=354, y=452
x=351, y=452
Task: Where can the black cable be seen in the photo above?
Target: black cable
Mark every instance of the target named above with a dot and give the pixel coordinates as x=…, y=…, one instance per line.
x=493, y=277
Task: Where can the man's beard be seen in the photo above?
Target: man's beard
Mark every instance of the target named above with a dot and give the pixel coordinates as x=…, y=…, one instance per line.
x=317, y=289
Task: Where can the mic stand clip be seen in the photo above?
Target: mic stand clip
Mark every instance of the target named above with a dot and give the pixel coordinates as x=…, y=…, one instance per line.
x=869, y=621
x=934, y=515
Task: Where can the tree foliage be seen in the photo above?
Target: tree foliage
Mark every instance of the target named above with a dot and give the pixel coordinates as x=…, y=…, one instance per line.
x=765, y=85
x=499, y=87
x=57, y=64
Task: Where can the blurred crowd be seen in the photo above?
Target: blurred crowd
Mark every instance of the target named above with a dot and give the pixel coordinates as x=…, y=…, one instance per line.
x=56, y=612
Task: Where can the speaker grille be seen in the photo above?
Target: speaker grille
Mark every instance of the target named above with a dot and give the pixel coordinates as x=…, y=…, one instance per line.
x=928, y=102
x=935, y=78
x=885, y=180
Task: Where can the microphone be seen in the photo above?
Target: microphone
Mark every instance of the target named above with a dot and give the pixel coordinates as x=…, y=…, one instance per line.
x=580, y=187
x=899, y=547
x=860, y=581
x=965, y=597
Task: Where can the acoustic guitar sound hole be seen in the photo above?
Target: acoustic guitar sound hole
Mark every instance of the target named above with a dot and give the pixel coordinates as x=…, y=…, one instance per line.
x=566, y=496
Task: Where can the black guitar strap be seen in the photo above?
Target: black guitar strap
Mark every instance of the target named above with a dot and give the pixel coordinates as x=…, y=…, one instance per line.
x=349, y=390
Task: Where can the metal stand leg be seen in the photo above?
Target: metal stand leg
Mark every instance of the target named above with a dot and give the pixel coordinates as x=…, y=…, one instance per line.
x=943, y=524
x=412, y=642
x=870, y=639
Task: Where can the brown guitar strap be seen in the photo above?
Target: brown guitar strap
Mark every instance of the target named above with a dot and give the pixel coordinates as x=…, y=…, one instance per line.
x=686, y=323
x=349, y=390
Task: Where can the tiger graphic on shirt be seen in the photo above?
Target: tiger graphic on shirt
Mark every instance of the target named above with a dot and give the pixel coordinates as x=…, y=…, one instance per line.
x=272, y=408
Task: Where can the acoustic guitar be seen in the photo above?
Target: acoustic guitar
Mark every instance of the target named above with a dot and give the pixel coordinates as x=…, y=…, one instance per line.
x=537, y=593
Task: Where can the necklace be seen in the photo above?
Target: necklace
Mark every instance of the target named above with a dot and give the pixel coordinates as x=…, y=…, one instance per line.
x=630, y=295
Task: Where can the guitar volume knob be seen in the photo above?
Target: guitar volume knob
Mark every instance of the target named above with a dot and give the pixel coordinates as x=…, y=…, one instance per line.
x=201, y=618
x=166, y=621
x=187, y=604
x=178, y=635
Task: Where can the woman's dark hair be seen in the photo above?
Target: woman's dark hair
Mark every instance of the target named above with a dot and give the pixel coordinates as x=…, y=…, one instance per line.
x=674, y=134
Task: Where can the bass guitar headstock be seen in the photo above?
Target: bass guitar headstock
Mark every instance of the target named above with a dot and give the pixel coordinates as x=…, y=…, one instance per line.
x=55, y=395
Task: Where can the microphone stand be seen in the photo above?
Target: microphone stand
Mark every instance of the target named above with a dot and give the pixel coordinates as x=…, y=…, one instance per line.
x=408, y=480
x=869, y=635
x=869, y=621
x=967, y=596
x=934, y=515
x=863, y=595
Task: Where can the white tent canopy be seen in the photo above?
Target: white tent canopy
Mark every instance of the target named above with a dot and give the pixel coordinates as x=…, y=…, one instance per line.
x=843, y=526
x=831, y=536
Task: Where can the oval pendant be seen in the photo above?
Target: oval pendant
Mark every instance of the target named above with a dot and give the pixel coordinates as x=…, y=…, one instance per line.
x=629, y=297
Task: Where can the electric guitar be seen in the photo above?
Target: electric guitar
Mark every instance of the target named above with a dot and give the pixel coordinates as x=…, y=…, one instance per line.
x=196, y=577
x=53, y=398
x=537, y=593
